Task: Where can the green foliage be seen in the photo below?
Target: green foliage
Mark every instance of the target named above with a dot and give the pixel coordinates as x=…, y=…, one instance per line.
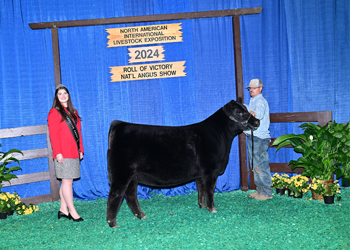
x=5, y=172
x=325, y=149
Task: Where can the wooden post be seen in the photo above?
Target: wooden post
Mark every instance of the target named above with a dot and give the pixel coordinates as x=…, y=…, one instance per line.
x=56, y=56
x=237, y=48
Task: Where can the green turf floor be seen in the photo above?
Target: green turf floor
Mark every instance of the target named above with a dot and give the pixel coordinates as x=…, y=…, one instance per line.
x=178, y=223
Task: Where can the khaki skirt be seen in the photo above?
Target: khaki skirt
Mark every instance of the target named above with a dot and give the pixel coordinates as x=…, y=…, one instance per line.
x=69, y=169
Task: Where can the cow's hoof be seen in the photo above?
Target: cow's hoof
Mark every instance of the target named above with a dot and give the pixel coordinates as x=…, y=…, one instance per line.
x=201, y=206
x=212, y=210
x=112, y=224
x=141, y=216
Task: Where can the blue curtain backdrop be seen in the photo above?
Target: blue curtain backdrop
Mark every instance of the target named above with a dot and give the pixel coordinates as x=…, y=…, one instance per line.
x=300, y=50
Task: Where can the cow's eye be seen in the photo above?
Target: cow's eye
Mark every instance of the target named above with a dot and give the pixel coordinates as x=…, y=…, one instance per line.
x=239, y=113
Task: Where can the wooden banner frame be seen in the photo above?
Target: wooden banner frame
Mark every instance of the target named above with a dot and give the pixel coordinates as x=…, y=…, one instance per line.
x=234, y=13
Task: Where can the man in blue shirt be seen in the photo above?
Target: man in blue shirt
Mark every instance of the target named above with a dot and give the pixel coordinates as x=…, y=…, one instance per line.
x=259, y=108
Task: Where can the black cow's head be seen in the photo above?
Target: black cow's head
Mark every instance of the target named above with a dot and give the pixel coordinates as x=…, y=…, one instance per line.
x=239, y=113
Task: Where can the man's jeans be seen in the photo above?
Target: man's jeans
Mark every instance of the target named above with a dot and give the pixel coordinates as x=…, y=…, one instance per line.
x=261, y=168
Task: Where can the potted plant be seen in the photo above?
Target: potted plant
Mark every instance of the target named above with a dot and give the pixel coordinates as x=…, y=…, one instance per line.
x=5, y=172
x=24, y=209
x=298, y=186
x=345, y=182
x=327, y=191
x=7, y=201
x=325, y=150
x=10, y=201
x=280, y=183
x=345, y=162
x=4, y=207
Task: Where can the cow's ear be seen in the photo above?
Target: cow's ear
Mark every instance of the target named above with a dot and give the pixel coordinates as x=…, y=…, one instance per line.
x=239, y=99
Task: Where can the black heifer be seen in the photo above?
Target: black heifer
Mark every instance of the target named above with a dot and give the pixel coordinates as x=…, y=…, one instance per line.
x=161, y=156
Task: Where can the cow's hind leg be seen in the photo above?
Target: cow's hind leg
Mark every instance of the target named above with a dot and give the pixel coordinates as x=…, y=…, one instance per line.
x=131, y=199
x=115, y=199
x=201, y=195
x=209, y=186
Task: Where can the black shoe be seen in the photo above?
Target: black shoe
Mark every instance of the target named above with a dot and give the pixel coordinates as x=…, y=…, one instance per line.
x=76, y=220
x=60, y=215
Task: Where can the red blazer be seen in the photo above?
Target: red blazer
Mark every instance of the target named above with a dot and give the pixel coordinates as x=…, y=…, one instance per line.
x=62, y=140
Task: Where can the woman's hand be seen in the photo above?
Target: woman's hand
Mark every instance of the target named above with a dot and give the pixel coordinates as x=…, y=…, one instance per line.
x=59, y=158
x=81, y=155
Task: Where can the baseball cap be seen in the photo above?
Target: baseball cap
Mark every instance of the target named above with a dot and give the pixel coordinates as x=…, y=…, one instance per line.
x=255, y=83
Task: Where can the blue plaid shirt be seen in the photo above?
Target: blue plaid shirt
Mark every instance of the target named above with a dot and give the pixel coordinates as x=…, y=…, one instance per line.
x=260, y=106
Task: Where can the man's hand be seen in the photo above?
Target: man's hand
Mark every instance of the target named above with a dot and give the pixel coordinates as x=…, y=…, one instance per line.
x=252, y=112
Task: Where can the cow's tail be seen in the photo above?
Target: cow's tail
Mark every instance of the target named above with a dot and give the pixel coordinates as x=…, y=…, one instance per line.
x=109, y=152
x=111, y=131
x=108, y=168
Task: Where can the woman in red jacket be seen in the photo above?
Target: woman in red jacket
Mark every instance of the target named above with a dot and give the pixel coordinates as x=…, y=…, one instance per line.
x=67, y=145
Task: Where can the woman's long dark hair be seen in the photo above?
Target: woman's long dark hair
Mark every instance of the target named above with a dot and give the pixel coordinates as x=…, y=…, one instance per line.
x=57, y=105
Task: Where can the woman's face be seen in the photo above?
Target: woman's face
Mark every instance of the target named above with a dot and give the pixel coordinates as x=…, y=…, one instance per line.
x=63, y=97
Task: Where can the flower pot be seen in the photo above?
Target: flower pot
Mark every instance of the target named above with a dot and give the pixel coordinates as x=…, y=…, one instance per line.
x=320, y=196
x=345, y=182
x=328, y=199
x=280, y=191
x=3, y=216
x=10, y=213
x=298, y=197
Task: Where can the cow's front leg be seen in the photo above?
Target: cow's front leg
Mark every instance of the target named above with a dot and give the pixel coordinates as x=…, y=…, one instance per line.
x=209, y=186
x=201, y=195
x=131, y=199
